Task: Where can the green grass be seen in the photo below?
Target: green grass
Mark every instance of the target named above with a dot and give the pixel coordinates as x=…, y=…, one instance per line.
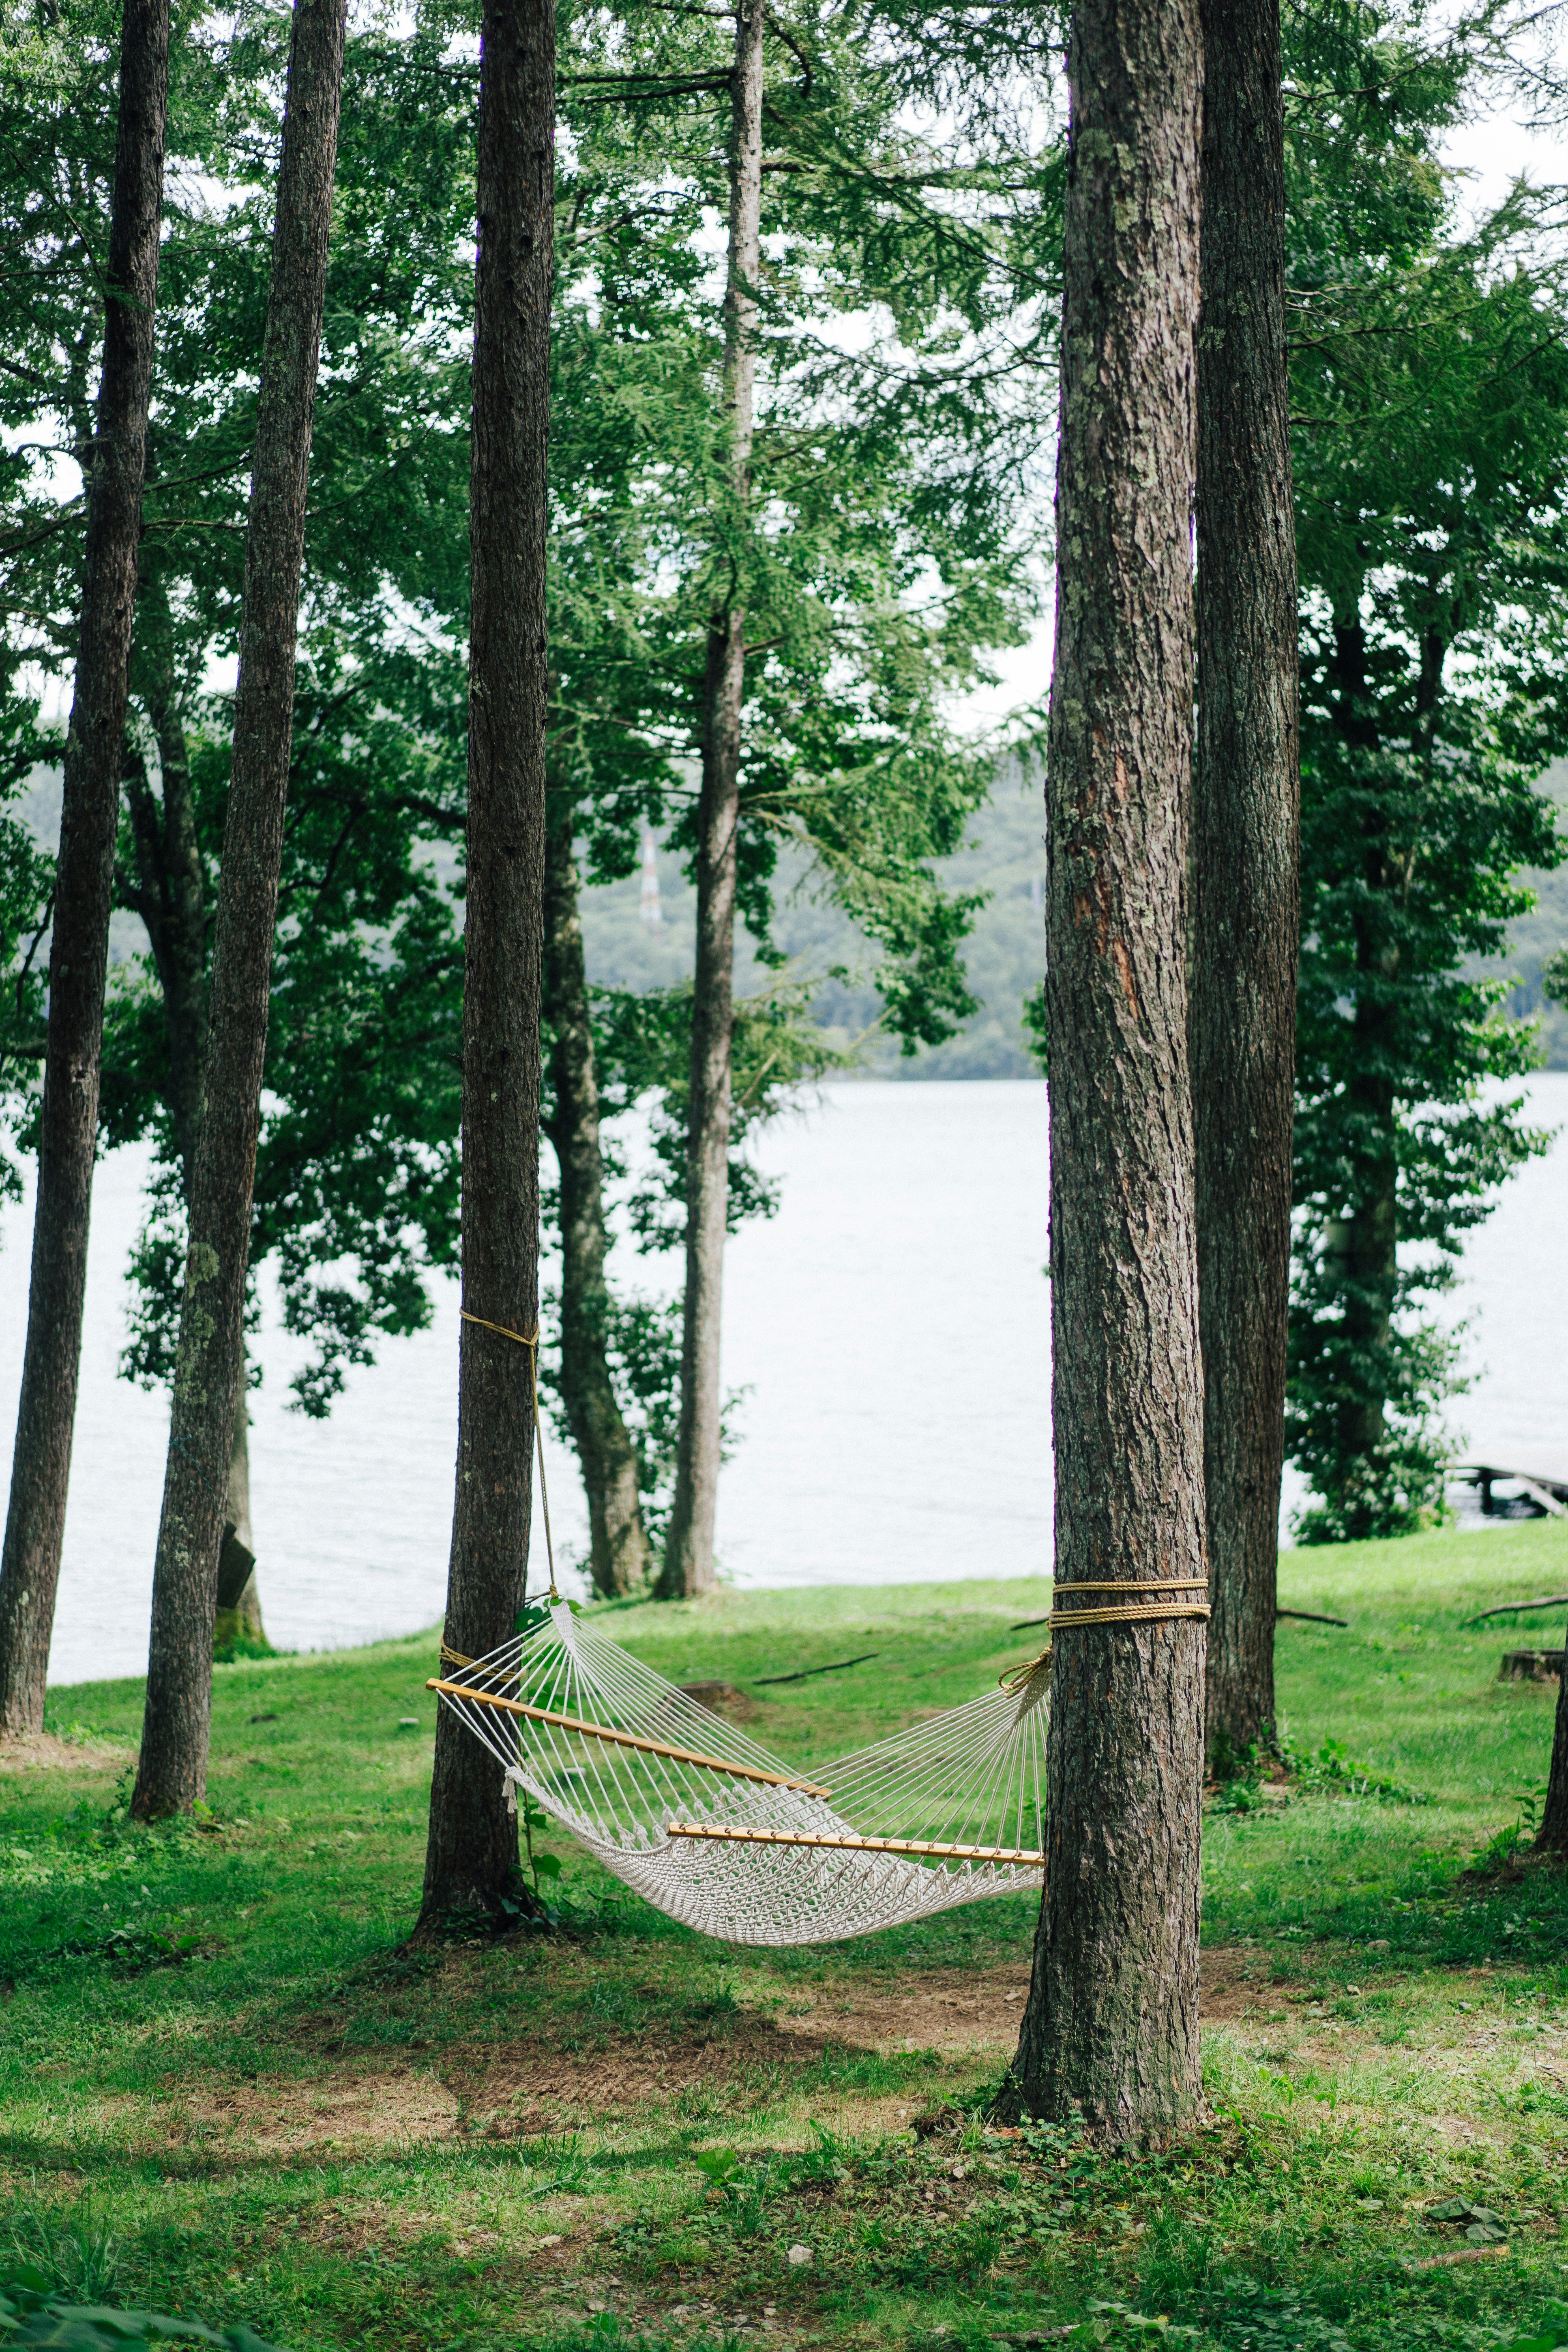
x=226, y=2089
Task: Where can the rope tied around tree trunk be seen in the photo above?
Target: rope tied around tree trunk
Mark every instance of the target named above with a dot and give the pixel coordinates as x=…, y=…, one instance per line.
x=1137, y=1613
x=530, y=1341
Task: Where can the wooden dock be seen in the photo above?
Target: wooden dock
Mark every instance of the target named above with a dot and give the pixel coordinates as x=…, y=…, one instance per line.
x=1541, y=1487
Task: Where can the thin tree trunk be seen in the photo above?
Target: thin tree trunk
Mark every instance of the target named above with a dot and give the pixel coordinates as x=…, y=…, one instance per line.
x=238, y=1612
x=1553, y=1835
x=618, y=1546
x=1367, y=1244
x=1245, y=855
x=78, y=949
x=209, y=1367
x=1110, y=2034
x=689, y=1565
x=170, y=898
x=472, y=1862
x=170, y=895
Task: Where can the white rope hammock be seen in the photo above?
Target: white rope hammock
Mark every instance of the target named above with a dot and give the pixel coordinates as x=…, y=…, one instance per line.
x=719, y=1835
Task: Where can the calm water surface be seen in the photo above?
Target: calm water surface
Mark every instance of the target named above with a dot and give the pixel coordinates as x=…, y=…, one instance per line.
x=888, y=1328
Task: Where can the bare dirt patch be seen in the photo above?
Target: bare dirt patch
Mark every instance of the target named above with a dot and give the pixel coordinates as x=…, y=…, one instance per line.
x=723, y=1698
x=374, y=2107
x=41, y=1751
x=518, y=2089
x=1234, y=1983
x=953, y=2011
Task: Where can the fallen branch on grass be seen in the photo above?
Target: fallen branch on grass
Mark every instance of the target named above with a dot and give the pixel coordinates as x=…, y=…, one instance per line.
x=1518, y=1608
x=761, y=1681
x=1459, y=2254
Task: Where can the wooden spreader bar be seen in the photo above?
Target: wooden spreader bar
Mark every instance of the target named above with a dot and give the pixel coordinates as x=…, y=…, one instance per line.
x=1019, y=1855
x=624, y=1738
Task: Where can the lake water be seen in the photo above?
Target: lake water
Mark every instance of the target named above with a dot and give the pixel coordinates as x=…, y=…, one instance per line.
x=890, y=1326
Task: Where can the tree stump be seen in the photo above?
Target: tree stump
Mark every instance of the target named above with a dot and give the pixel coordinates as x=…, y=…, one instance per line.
x=1532, y=1666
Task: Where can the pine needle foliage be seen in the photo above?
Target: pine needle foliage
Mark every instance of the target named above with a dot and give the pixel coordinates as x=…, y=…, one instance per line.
x=1430, y=386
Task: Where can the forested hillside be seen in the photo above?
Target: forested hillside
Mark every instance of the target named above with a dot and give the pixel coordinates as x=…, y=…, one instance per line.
x=1004, y=955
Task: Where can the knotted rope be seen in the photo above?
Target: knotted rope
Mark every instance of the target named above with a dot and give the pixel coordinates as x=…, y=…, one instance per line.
x=530, y=1341
x=1138, y=1612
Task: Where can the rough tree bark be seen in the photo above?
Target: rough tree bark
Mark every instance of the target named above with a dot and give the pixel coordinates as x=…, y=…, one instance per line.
x=618, y=1556
x=1245, y=855
x=689, y=1565
x=78, y=949
x=1552, y=1837
x=1110, y=2031
x=471, y=1861
x=209, y=1366
x=169, y=893
x=169, y=890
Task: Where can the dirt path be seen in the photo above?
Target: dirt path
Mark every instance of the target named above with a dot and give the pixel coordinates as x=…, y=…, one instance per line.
x=512, y=2089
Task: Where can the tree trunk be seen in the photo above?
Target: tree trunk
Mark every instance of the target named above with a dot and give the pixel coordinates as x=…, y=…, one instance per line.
x=238, y=1611
x=78, y=949
x=1110, y=2030
x=471, y=1861
x=689, y=1565
x=1245, y=856
x=618, y=1546
x=1553, y=1835
x=209, y=1367
x=170, y=898
x=170, y=882
x=1367, y=1244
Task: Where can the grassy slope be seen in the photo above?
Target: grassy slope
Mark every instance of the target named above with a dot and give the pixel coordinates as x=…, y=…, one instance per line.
x=302, y=2128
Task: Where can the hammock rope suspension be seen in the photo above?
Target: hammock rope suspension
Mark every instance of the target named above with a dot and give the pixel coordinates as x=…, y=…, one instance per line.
x=1190, y=1598
x=714, y=1830
x=530, y=1341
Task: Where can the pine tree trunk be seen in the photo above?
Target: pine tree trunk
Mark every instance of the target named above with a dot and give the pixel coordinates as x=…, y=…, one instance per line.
x=618, y=1546
x=1553, y=1835
x=688, y=1566
x=171, y=893
x=170, y=898
x=1245, y=855
x=1365, y=1243
x=79, y=950
x=471, y=1861
x=209, y=1366
x=1110, y=2030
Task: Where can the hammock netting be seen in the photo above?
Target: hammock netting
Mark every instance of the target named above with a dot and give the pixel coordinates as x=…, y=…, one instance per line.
x=719, y=1835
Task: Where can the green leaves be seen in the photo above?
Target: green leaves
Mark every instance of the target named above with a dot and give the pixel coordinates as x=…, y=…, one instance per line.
x=1482, y=2226
x=1553, y=2339
x=1430, y=397
x=31, y=2314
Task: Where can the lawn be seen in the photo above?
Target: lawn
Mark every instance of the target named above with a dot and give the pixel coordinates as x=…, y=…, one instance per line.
x=227, y=2090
